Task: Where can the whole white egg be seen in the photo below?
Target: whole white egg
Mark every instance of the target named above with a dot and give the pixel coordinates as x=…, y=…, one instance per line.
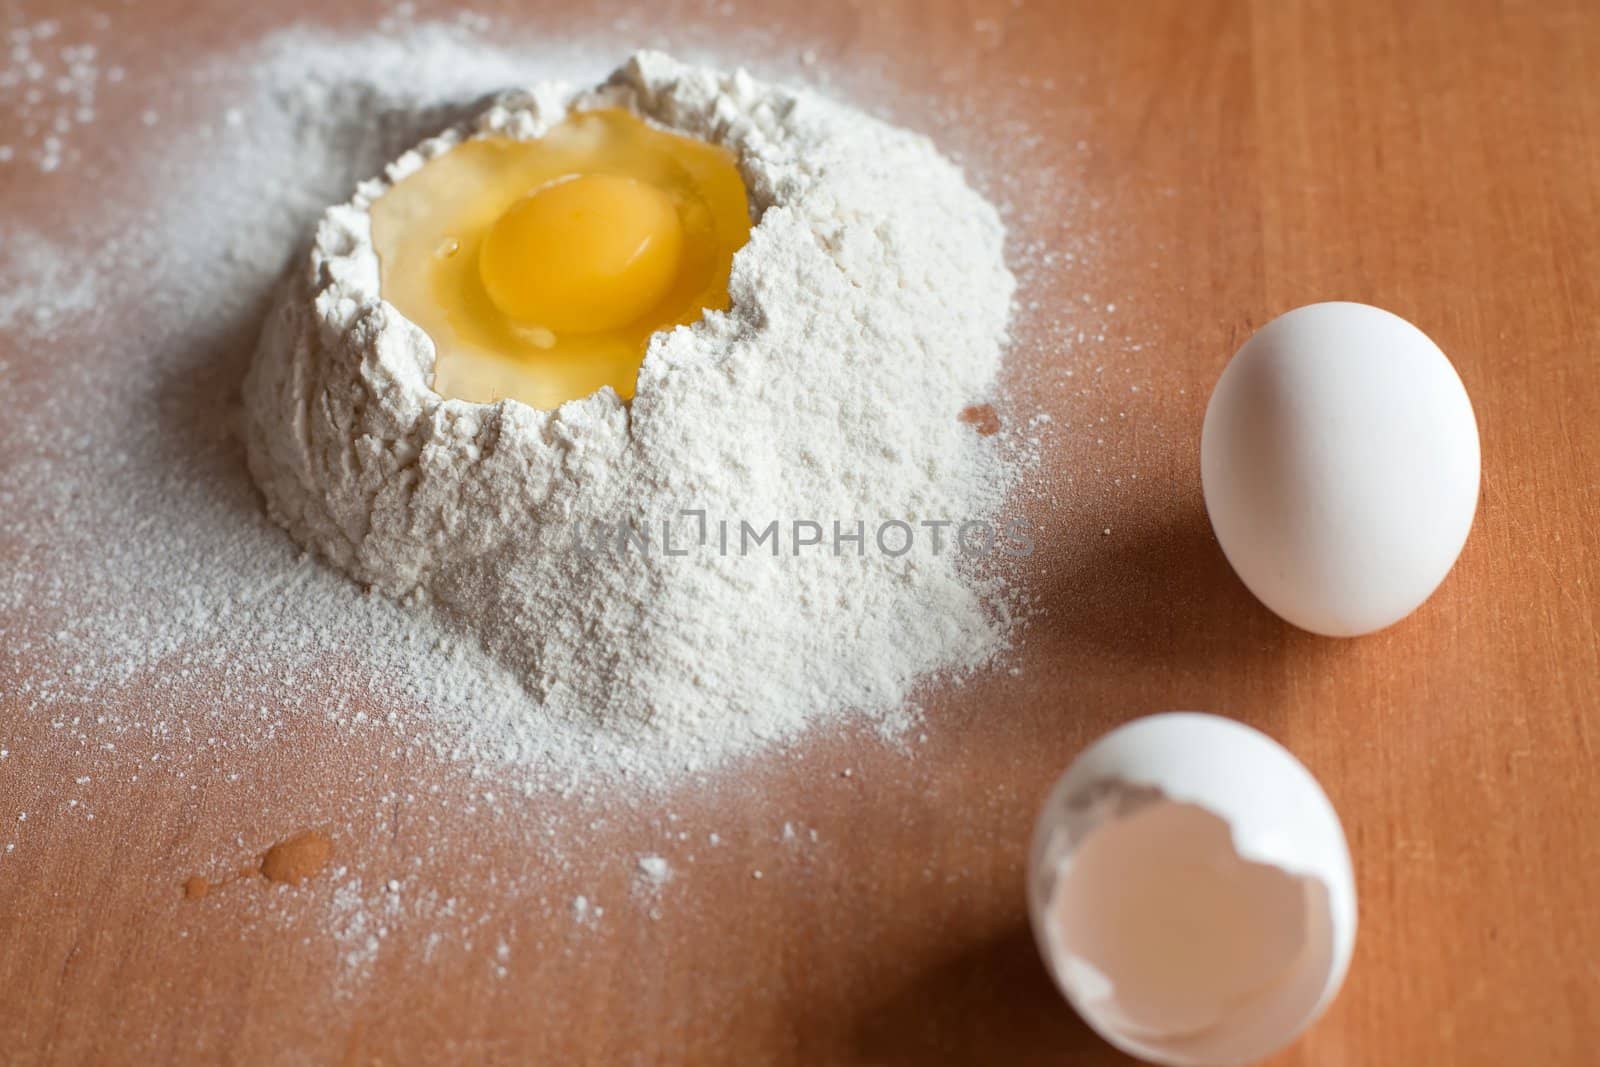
x=1191, y=891
x=1340, y=466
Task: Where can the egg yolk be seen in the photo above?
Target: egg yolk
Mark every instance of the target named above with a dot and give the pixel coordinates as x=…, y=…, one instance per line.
x=541, y=269
x=584, y=255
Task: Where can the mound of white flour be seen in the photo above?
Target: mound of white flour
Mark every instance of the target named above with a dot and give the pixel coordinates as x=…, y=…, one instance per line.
x=648, y=571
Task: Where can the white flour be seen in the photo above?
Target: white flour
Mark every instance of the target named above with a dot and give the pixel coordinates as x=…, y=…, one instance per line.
x=655, y=871
x=149, y=600
x=54, y=84
x=160, y=638
x=868, y=310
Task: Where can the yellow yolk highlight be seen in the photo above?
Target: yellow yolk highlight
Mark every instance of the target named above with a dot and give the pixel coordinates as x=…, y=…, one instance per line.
x=584, y=255
x=541, y=269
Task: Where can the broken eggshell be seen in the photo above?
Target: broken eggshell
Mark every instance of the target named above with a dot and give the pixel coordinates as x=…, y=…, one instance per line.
x=1191, y=891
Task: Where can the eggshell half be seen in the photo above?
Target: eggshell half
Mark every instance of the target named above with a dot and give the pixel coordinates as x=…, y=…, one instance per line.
x=1191, y=891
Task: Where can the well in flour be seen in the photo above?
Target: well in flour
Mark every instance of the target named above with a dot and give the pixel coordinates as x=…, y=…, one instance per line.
x=869, y=310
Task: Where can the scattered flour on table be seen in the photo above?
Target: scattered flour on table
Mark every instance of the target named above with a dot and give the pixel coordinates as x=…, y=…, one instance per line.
x=53, y=87
x=143, y=553
x=49, y=289
x=151, y=617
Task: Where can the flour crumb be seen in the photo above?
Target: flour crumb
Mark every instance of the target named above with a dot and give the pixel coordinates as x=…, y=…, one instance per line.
x=654, y=871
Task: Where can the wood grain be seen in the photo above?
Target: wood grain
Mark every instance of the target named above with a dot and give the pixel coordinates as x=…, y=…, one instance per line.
x=1225, y=161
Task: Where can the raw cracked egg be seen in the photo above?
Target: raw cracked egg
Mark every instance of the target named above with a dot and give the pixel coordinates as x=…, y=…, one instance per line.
x=540, y=269
x=1340, y=466
x=1191, y=891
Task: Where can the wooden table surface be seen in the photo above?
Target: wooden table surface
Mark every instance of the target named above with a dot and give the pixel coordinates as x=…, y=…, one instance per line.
x=1227, y=161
